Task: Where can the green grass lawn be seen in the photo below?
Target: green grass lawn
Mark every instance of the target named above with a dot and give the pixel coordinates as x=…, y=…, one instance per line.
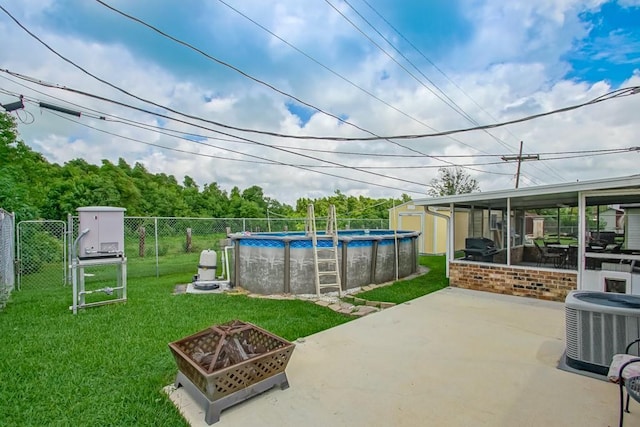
x=410, y=289
x=107, y=365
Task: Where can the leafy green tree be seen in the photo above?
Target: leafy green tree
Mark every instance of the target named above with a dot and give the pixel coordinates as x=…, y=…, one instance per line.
x=24, y=174
x=254, y=194
x=215, y=201
x=128, y=193
x=450, y=181
x=192, y=197
x=32, y=187
x=277, y=208
x=349, y=206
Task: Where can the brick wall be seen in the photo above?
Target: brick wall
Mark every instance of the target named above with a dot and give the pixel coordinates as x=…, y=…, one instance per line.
x=521, y=281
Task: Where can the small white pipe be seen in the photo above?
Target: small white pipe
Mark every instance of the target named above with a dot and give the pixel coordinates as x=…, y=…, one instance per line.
x=226, y=262
x=74, y=266
x=105, y=290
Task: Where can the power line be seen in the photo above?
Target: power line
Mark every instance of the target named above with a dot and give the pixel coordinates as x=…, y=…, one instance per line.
x=200, y=118
x=119, y=89
x=317, y=62
x=371, y=94
x=448, y=101
x=349, y=81
x=56, y=86
x=166, y=131
x=303, y=167
x=188, y=45
x=632, y=90
x=618, y=93
x=156, y=129
x=446, y=76
x=274, y=162
x=264, y=162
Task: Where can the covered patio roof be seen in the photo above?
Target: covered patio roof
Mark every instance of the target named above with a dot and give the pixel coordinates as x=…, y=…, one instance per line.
x=545, y=196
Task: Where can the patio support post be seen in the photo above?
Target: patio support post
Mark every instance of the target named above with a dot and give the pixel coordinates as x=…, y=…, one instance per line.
x=508, y=230
x=582, y=228
x=451, y=242
x=449, y=255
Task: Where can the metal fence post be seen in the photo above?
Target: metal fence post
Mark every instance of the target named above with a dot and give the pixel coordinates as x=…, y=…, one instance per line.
x=7, y=255
x=155, y=221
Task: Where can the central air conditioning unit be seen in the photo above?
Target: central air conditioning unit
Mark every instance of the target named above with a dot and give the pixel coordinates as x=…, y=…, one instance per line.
x=599, y=325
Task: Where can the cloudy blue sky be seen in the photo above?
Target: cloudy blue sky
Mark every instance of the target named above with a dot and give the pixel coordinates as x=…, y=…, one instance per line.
x=330, y=68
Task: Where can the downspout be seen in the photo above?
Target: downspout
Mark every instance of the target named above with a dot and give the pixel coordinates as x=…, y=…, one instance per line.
x=582, y=240
x=508, y=230
x=447, y=253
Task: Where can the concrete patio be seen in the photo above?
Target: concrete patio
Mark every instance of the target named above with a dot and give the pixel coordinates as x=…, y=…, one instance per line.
x=452, y=358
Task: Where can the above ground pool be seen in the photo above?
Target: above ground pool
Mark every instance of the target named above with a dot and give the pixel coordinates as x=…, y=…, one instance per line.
x=275, y=263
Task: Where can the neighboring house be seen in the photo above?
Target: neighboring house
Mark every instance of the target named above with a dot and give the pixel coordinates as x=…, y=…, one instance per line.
x=612, y=219
x=516, y=265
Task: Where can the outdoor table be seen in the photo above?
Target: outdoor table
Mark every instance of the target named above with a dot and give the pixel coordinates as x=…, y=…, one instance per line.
x=564, y=249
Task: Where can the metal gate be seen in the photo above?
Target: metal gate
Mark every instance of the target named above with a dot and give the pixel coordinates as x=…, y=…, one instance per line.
x=41, y=254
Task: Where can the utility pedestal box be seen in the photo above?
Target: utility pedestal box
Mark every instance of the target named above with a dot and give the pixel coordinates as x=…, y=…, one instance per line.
x=105, y=237
x=100, y=243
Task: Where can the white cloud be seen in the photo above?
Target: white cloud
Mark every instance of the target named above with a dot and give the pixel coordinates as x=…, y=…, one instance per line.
x=512, y=67
x=629, y=3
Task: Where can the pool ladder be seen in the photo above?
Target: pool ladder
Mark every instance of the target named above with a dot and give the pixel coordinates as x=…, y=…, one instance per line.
x=325, y=258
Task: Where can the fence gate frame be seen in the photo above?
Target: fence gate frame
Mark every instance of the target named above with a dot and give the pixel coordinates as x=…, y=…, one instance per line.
x=19, y=248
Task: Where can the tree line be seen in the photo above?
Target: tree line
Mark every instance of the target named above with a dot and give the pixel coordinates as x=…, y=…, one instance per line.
x=34, y=188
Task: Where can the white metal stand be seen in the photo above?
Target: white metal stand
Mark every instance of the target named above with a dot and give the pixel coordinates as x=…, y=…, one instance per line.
x=78, y=280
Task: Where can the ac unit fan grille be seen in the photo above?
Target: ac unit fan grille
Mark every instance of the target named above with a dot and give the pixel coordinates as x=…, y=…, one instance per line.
x=595, y=337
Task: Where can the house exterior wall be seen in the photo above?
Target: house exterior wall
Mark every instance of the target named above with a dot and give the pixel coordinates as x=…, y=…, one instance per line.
x=440, y=246
x=608, y=217
x=461, y=230
x=533, y=283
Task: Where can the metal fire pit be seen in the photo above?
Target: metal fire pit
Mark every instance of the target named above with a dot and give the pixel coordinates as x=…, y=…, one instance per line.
x=229, y=363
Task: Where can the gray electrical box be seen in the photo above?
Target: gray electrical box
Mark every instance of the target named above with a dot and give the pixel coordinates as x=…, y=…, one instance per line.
x=105, y=236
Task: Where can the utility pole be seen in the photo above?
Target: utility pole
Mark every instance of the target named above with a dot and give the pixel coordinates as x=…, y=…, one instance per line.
x=520, y=158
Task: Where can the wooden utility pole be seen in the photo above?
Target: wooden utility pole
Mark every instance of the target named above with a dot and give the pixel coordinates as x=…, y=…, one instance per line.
x=520, y=158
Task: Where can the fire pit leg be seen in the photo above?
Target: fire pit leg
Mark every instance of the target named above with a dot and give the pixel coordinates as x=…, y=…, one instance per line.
x=213, y=409
x=284, y=382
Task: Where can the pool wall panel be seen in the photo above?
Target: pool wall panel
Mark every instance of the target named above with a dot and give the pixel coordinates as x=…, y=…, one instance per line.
x=260, y=261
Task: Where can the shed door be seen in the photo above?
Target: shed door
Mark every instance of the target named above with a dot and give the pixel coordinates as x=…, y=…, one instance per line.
x=413, y=222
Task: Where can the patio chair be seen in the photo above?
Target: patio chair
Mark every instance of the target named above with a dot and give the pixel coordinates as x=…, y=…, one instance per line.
x=572, y=256
x=625, y=370
x=545, y=254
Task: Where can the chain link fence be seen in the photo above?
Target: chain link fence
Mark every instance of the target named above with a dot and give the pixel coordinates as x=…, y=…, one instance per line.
x=160, y=246
x=565, y=224
x=7, y=255
x=41, y=259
